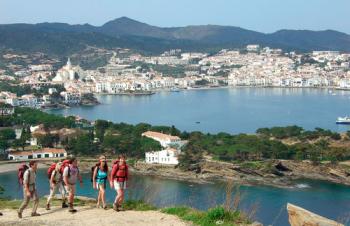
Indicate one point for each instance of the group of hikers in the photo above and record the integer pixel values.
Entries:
(64, 175)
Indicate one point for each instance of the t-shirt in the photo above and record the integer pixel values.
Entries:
(73, 174)
(57, 176)
(29, 177)
(101, 176)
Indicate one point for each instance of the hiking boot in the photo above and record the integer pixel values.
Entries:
(72, 210)
(35, 215)
(47, 206)
(64, 205)
(19, 214)
(115, 207)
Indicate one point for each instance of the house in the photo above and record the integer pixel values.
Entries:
(71, 97)
(166, 156)
(164, 139)
(6, 109)
(172, 148)
(38, 154)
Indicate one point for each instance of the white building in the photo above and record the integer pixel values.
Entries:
(38, 154)
(68, 73)
(71, 98)
(164, 139)
(166, 156)
(253, 48)
(172, 148)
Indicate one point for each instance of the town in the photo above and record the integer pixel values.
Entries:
(128, 73)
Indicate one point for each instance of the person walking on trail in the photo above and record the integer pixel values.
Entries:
(56, 182)
(118, 180)
(70, 176)
(29, 188)
(99, 180)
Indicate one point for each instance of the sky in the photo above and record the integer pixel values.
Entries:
(259, 15)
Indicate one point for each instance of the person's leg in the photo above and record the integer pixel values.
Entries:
(71, 198)
(99, 195)
(102, 195)
(63, 192)
(115, 204)
(119, 198)
(36, 203)
(24, 204)
(52, 194)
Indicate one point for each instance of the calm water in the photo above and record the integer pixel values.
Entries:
(329, 200)
(236, 110)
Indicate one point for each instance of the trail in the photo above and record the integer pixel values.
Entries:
(89, 216)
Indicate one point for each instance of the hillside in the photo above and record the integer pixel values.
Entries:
(64, 39)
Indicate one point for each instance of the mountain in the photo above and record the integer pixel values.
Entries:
(63, 39)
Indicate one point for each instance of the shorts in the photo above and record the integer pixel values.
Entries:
(118, 185)
(101, 183)
(70, 188)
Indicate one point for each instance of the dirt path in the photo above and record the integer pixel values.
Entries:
(88, 216)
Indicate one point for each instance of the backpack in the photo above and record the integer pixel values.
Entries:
(21, 170)
(121, 170)
(93, 171)
(50, 170)
(65, 163)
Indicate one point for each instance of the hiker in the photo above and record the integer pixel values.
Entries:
(99, 180)
(27, 177)
(70, 176)
(118, 179)
(56, 182)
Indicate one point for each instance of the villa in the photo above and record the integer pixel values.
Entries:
(172, 148)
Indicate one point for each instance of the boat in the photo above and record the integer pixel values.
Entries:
(343, 120)
(198, 122)
(174, 89)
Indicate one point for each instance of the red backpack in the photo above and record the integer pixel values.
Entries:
(65, 163)
(121, 170)
(50, 170)
(21, 170)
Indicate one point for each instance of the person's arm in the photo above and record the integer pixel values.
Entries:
(52, 179)
(65, 176)
(26, 183)
(94, 178)
(80, 179)
(111, 176)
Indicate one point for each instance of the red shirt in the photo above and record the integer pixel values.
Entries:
(116, 170)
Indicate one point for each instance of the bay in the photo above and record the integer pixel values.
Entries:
(232, 110)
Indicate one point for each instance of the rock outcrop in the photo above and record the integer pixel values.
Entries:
(301, 217)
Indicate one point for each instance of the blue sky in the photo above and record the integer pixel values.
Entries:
(259, 15)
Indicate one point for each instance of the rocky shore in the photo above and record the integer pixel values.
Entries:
(277, 173)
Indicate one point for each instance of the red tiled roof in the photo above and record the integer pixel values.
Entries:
(161, 136)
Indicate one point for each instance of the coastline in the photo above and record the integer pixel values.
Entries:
(220, 87)
(213, 171)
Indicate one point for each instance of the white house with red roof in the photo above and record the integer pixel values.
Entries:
(172, 148)
(37, 154)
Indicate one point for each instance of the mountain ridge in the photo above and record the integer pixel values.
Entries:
(129, 33)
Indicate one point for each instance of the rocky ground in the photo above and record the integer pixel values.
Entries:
(89, 216)
(278, 173)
